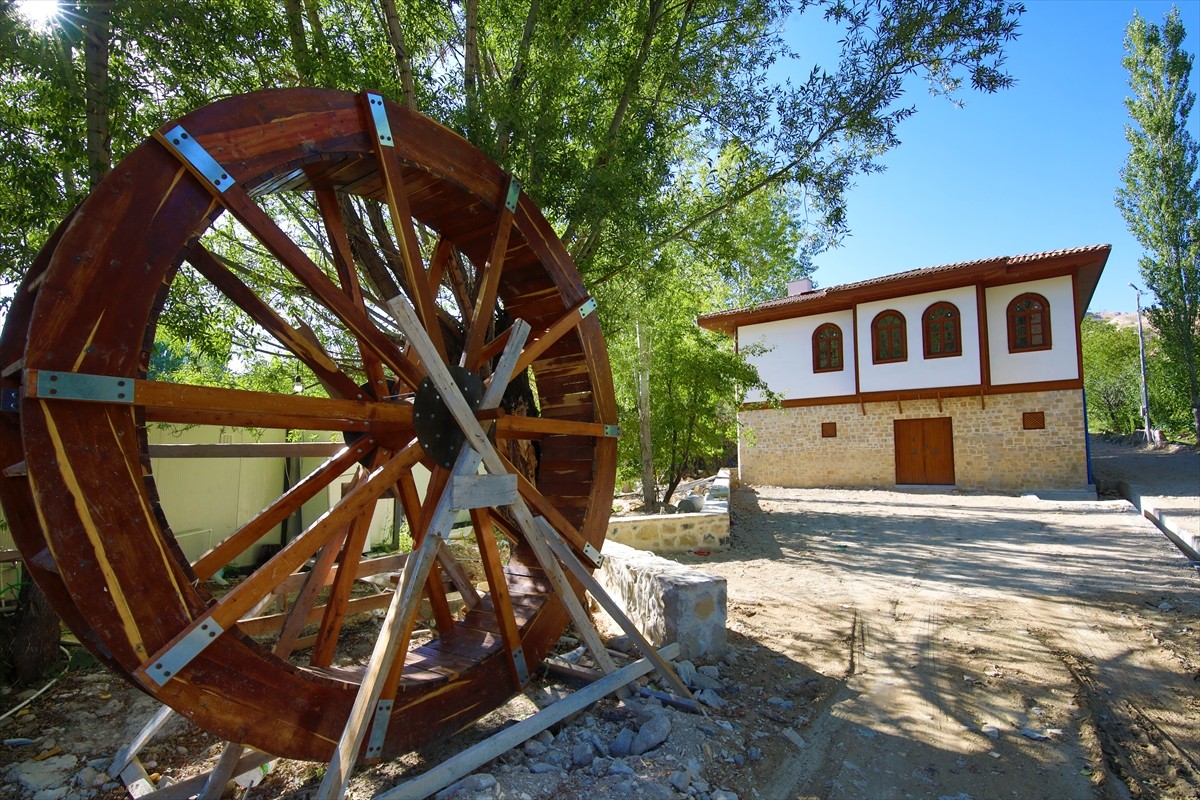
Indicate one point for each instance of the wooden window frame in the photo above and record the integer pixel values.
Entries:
(816, 348)
(1011, 316)
(875, 359)
(927, 330)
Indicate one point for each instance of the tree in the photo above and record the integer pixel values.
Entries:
(1110, 375)
(1160, 192)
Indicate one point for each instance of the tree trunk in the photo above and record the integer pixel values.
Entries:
(35, 642)
(403, 59)
(295, 23)
(648, 493)
(97, 33)
(471, 69)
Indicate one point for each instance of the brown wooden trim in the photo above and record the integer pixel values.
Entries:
(1048, 333)
(875, 359)
(919, 394)
(1076, 333)
(247, 450)
(925, 333)
(985, 352)
(816, 349)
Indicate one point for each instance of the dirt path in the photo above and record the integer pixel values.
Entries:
(982, 646)
(885, 645)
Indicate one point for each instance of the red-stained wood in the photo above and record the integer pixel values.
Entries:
(95, 313)
(502, 607)
(489, 287)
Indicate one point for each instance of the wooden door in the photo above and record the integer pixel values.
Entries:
(924, 451)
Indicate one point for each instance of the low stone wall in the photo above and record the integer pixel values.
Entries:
(679, 533)
(668, 602)
(671, 533)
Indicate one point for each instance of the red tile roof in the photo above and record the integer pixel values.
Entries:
(782, 308)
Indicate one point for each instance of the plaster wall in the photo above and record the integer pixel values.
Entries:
(1061, 361)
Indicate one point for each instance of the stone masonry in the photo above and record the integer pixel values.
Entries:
(784, 447)
(668, 602)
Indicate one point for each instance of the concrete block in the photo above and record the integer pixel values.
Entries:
(667, 601)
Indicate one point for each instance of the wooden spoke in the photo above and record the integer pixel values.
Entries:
(181, 402)
(314, 582)
(488, 286)
(542, 505)
(339, 597)
(518, 427)
(443, 254)
(553, 333)
(274, 514)
(410, 250)
(246, 594)
(339, 240)
(311, 355)
(489, 554)
(269, 234)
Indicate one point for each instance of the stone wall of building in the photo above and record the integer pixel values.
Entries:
(671, 533)
(992, 450)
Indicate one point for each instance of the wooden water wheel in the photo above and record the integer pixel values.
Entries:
(79, 492)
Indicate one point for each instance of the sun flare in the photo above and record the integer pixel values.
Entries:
(40, 14)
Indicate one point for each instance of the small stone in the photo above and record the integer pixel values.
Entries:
(724, 794)
(541, 767)
(622, 643)
(51, 794)
(686, 671)
(651, 735)
(1165, 606)
(533, 748)
(478, 782)
(786, 705)
(754, 754)
(620, 745)
(681, 780)
(545, 737)
(582, 754)
(710, 698)
(731, 658)
(710, 670)
(990, 730)
(599, 766)
(619, 767)
(1030, 733)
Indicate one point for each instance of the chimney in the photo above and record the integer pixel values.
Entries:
(801, 286)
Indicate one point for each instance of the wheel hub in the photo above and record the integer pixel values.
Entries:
(437, 432)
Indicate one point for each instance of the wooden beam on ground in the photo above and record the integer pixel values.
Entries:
(476, 756)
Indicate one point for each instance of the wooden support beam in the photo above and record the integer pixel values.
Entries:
(383, 669)
(248, 450)
(477, 755)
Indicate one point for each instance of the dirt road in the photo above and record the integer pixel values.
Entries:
(979, 646)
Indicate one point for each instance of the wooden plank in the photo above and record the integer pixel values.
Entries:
(514, 426)
(564, 555)
(297, 616)
(483, 491)
(559, 328)
(222, 773)
(258, 626)
(402, 223)
(397, 626)
(484, 309)
(163, 397)
(477, 755)
(504, 615)
(248, 450)
(339, 596)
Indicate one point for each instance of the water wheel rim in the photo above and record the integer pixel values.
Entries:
(127, 582)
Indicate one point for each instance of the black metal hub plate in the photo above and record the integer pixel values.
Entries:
(437, 432)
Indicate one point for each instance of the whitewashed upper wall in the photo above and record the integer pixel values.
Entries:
(1061, 361)
(917, 372)
(787, 366)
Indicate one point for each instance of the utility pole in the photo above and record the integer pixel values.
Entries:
(1142, 359)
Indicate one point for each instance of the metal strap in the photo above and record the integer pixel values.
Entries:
(379, 726)
(80, 386)
(383, 128)
(514, 194)
(190, 151)
(184, 651)
(587, 308)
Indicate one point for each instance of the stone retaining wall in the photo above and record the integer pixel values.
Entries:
(679, 533)
(668, 602)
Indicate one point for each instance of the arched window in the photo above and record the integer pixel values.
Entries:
(888, 338)
(942, 329)
(1028, 323)
(827, 348)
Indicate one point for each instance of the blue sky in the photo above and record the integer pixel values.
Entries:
(1029, 169)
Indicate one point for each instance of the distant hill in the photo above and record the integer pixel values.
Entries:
(1122, 319)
